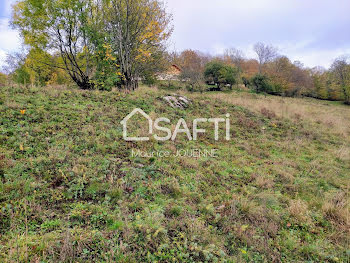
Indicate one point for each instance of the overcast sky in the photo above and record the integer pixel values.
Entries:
(311, 31)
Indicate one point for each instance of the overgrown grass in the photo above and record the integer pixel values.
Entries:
(70, 191)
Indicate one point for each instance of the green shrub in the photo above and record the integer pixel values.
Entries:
(170, 85)
(195, 87)
(3, 80)
(262, 84)
(212, 72)
(228, 75)
(107, 75)
(220, 74)
(21, 76)
(149, 79)
(2, 99)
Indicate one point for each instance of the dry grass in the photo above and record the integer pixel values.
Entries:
(298, 209)
(264, 182)
(336, 208)
(330, 115)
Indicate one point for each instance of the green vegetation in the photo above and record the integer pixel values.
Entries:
(3, 80)
(71, 192)
(220, 74)
(262, 84)
(271, 74)
(101, 44)
(115, 43)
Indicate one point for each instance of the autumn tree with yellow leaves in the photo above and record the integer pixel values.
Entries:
(138, 31)
(61, 27)
(102, 43)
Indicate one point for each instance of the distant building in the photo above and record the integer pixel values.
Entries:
(172, 73)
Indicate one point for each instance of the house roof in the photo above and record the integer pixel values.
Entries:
(175, 66)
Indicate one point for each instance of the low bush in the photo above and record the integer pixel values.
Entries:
(220, 74)
(170, 85)
(262, 84)
(3, 80)
(149, 80)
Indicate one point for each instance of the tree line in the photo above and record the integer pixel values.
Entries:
(269, 73)
(101, 44)
(95, 43)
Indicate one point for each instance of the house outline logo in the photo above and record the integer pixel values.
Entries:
(181, 127)
(124, 122)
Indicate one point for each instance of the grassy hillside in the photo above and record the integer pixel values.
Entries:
(70, 191)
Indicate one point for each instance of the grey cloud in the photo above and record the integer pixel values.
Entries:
(295, 26)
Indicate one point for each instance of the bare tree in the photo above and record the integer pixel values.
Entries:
(235, 56)
(265, 53)
(14, 61)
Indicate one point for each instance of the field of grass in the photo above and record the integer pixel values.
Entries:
(70, 191)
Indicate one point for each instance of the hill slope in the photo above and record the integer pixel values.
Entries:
(70, 191)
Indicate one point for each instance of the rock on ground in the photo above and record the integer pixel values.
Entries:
(177, 101)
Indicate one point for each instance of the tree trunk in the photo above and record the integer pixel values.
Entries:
(131, 84)
(84, 83)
